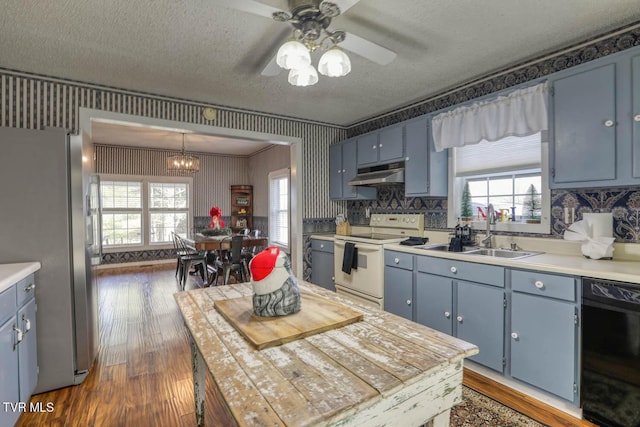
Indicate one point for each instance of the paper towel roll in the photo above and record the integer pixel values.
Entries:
(600, 224)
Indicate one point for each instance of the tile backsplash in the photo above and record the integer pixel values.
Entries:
(623, 203)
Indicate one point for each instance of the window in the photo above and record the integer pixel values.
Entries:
(141, 211)
(511, 175)
(279, 207)
(121, 213)
(168, 211)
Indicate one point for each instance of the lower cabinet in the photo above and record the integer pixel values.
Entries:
(526, 323)
(545, 332)
(18, 355)
(322, 264)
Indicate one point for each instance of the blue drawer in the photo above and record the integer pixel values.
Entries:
(549, 285)
(462, 270)
(321, 245)
(398, 260)
(26, 289)
(8, 305)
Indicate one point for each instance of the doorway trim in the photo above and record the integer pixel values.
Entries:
(87, 115)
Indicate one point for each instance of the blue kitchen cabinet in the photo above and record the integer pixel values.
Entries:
(544, 333)
(382, 146)
(465, 300)
(18, 351)
(595, 123)
(398, 284)
(342, 169)
(434, 296)
(426, 170)
(322, 264)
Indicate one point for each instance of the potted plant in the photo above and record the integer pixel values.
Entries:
(466, 210)
(532, 204)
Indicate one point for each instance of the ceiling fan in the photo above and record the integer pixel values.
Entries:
(310, 20)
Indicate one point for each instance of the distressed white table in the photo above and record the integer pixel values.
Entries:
(384, 370)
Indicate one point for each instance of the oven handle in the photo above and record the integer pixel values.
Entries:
(359, 245)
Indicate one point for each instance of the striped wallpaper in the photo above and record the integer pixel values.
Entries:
(35, 102)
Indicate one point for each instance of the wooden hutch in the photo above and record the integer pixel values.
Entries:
(241, 207)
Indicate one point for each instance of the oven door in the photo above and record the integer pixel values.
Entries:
(368, 278)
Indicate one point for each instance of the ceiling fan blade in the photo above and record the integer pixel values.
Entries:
(272, 68)
(345, 5)
(252, 6)
(366, 49)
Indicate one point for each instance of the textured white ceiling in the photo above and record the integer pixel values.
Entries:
(205, 51)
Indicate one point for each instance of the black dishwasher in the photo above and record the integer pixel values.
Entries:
(610, 392)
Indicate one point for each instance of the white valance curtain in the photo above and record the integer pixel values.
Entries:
(523, 112)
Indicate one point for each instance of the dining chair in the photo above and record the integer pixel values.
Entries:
(190, 257)
(236, 262)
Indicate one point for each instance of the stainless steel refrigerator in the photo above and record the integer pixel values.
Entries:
(49, 212)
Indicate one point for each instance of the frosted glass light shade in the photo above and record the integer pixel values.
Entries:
(334, 63)
(293, 54)
(305, 76)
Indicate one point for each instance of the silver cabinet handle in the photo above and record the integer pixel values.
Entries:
(454, 270)
(31, 287)
(408, 302)
(636, 118)
(459, 319)
(344, 171)
(538, 284)
(447, 314)
(380, 145)
(396, 260)
(374, 146)
(321, 246)
(514, 335)
(20, 334)
(609, 123)
(27, 323)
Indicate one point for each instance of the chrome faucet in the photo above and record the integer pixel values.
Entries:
(491, 219)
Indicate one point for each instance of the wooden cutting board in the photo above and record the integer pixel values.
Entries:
(318, 314)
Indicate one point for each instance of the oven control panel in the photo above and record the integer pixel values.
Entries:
(404, 221)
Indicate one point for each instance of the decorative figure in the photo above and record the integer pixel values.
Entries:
(466, 209)
(275, 288)
(216, 218)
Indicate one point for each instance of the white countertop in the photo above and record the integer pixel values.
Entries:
(622, 270)
(12, 273)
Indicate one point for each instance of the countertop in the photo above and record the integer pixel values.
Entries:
(329, 237)
(369, 372)
(622, 270)
(12, 273)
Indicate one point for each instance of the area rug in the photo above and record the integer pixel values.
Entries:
(478, 410)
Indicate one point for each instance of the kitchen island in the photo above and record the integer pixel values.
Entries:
(383, 370)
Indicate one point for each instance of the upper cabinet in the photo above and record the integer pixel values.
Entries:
(342, 169)
(381, 146)
(595, 124)
(426, 170)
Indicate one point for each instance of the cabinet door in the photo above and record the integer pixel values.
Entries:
(391, 144)
(543, 343)
(9, 380)
(584, 143)
(322, 269)
(27, 351)
(416, 172)
(635, 75)
(349, 169)
(480, 320)
(368, 149)
(434, 302)
(398, 292)
(335, 171)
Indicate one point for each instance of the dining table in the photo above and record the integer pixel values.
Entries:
(382, 370)
(219, 245)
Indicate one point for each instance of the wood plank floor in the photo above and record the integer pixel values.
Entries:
(142, 375)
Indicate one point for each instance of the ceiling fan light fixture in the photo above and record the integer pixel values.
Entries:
(292, 55)
(305, 76)
(334, 63)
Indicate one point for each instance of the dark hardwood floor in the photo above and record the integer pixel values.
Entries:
(142, 375)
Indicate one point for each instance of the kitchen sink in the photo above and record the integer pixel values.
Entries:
(492, 252)
(502, 253)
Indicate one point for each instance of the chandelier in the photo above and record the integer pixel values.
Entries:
(295, 54)
(183, 162)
